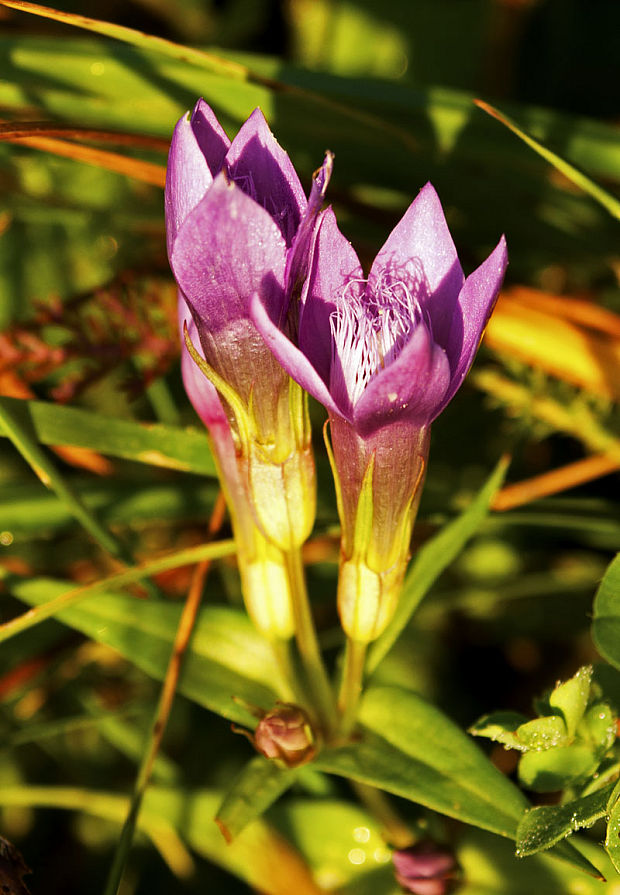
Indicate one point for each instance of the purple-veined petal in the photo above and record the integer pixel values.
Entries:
(411, 387)
(197, 152)
(420, 252)
(263, 170)
(296, 364)
(227, 248)
(333, 264)
(203, 395)
(474, 307)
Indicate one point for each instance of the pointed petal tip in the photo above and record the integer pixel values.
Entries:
(201, 106)
(500, 253)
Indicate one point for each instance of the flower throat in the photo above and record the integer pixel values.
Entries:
(370, 327)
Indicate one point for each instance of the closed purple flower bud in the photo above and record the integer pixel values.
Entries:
(425, 869)
(238, 224)
(385, 355)
(285, 733)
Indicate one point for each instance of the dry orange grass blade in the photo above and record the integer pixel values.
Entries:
(554, 481)
(147, 172)
(10, 130)
(570, 339)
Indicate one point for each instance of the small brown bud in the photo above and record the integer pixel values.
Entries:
(285, 733)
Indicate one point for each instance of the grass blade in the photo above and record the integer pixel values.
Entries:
(573, 174)
(210, 61)
(186, 557)
(157, 445)
(433, 558)
(22, 434)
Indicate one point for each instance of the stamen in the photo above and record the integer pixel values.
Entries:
(370, 328)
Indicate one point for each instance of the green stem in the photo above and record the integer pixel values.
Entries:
(351, 685)
(308, 645)
(290, 687)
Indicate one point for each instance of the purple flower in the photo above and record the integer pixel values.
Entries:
(238, 223)
(397, 345)
(384, 354)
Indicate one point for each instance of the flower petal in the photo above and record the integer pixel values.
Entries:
(228, 248)
(420, 252)
(203, 395)
(297, 262)
(263, 170)
(411, 387)
(296, 364)
(210, 136)
(333, 263)
(474, 307)
(197, 152)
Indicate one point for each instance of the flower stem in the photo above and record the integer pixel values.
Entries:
(351, 685)
(308, 645)
(291, 687)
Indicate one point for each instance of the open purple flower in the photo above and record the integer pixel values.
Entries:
(384, 354)
(394, 346)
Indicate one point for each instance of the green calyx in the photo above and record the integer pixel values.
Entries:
(567, 742)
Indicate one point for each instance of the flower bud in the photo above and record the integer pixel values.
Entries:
(267, 593)
(284, 733)
(425, 869)
(379, 483)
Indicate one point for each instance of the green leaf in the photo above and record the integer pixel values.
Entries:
(542, 733)
(71, 596)
(571, 698)
(170, 817)
(154, 444)
(411, 749)
(612, 839)
(598, 727)
(226, 659)
(29, 511)
(342, 843)
(433, 559)
(500, 727)
(578, 177)
(258, 786)
(491, 868)
(556, 768)
(18, 427)
(542, 827)
(606, 624)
